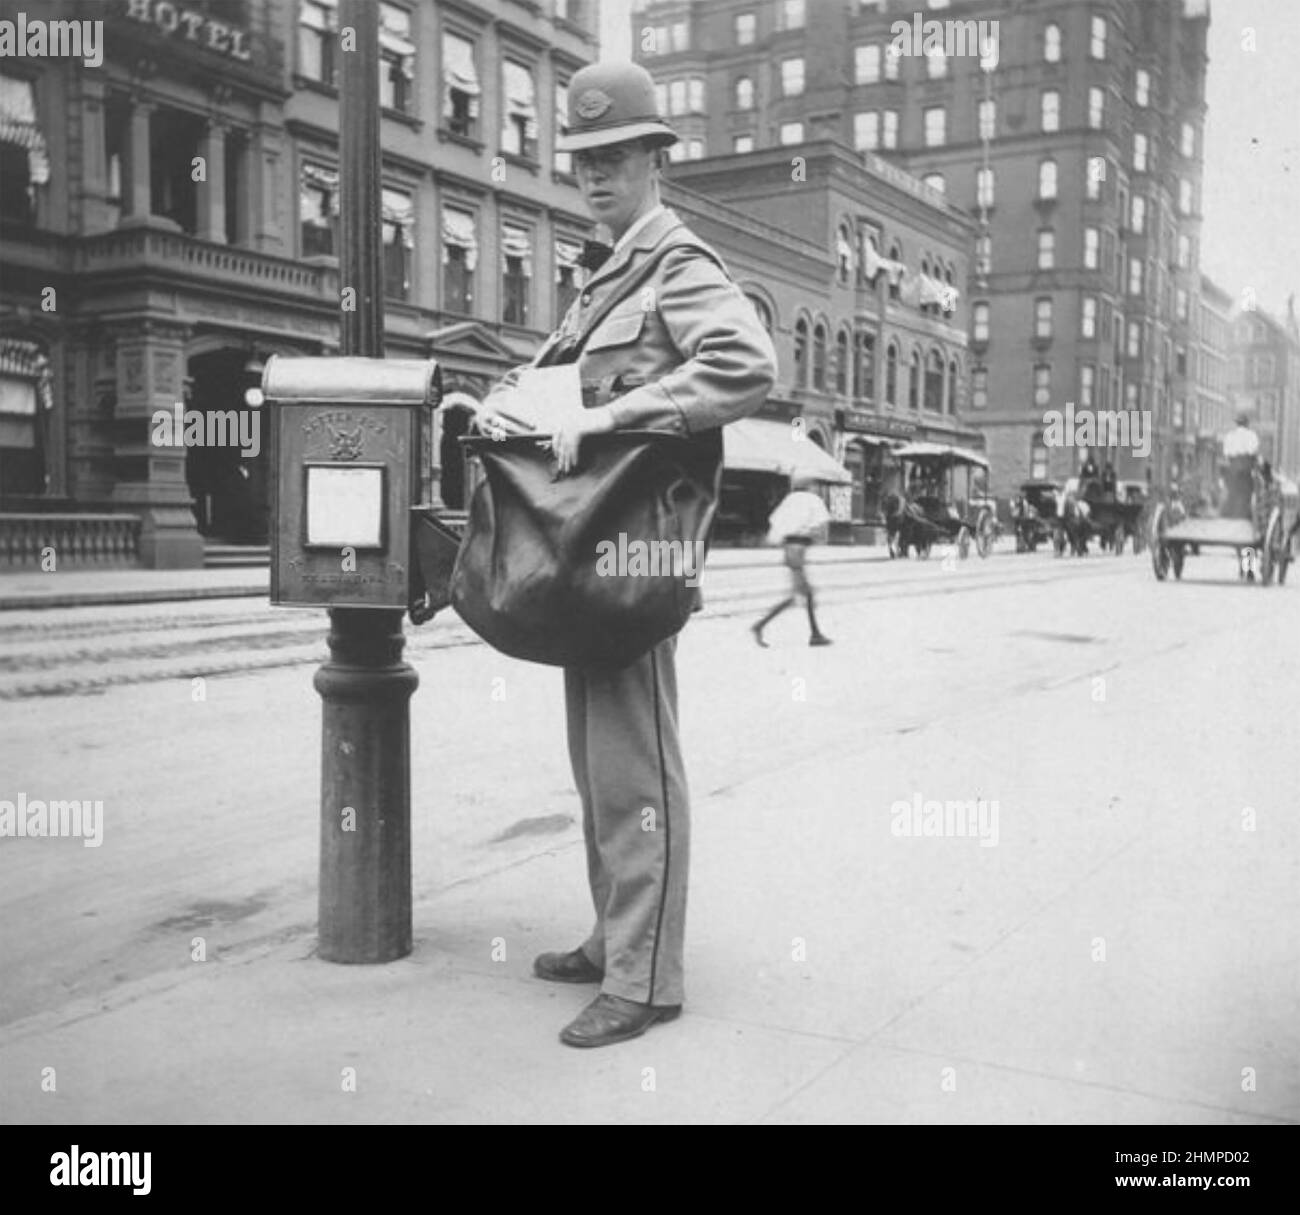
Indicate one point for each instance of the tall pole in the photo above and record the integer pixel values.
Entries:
(365, 687)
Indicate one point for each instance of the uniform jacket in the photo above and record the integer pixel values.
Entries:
(681, 351)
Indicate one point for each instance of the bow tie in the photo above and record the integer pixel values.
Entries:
(594, 255)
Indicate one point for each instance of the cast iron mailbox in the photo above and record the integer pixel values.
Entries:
(350, 449)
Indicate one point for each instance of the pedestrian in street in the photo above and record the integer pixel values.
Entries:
(800, 520)
(681, 351)
(1240, 452)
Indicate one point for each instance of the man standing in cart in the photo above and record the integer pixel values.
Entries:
(1240, 452)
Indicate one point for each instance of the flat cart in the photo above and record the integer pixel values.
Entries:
(1261, 542)
(941, 501)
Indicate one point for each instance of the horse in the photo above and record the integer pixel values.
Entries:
(906, 526)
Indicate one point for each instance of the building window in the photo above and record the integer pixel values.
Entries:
(1187, 145)
(980, 322)
(934, 181)
(567, 253)
(396, 59)
(1043, 318)
(1088, 327)
(892, 58)
(934, 382)
(519, 112)
(1097, 44)
(1142, 88)
(1050, 109)
(1096, 108)
(979, 388)
(1096, 174)
(952, 387)
(563, 160)
(1139, 213)
(319, 199)
(984, 187)
(696, 94)
(744, 93)
(936, 63)
(677, 97)
(1091, 249)
(889, 137)
(895, 255)
(1181, 304)
(680, 36)
(1184, 196)
(695, 149)
(866, 131)
(843, 255)
(819, 357)
(791, 132)
(1037, 459)
(891, 374)
(1052, 44)
(792, 14)
(914, 381)
(1139, 152)
(1046, 249)
(988, 118)
(792, 77)
(866, 64)
(25, 400)
(746, 27)
(459, 259)
(801, 353)
(864, 365)
(935, 127)
(1184, 252)
(1087, 385)
(316, 40)
(460, 86)
(1135, 276)
(516, 274)
(1134, 340)
(1047, 180)
(842, 363)
(398, 235)
(1043, 385)
(742, 143)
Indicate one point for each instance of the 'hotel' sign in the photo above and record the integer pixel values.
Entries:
(192, 26)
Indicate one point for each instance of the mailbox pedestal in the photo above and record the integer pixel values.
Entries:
(349, 447)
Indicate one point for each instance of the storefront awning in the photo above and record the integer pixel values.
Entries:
(958, 455)
(761, 445)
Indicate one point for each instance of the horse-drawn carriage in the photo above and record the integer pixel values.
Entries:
(1262, 542)
(1110, 516)
(937, 504)
(1035, 514)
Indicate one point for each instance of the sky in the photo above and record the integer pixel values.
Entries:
(1250, 239)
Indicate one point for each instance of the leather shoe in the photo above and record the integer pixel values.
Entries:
(610, 1019)
(571, 967)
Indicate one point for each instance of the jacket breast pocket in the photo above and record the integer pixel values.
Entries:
(618, 329)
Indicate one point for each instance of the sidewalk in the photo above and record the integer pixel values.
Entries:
(87, 588)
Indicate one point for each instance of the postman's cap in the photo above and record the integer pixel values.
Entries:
(611, 103)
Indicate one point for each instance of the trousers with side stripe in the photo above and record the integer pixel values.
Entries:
(627, 764)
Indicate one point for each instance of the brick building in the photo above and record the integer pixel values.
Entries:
(1264, 380)
(130, 285)
(1076, 146)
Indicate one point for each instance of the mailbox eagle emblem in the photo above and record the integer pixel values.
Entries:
(346, 444)
(592, 104)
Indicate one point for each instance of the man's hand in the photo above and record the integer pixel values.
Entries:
(566, 442)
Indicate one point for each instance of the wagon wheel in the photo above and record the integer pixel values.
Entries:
(985, 533)
(1159, 550)
(963, 542)
(1271, 555)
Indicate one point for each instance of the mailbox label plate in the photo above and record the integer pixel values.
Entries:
(344, 506)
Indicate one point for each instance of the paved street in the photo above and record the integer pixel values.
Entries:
(1121, 948)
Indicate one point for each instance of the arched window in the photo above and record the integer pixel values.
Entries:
(864, 365)
(934, 382)
(896, 255)
(819, 357)
(764, 312)
(952, 387)
(844, 255)
(1052, 44)
(801, 353)
(1047, 180)
(842, 363)
(914, 381)
(891, 374)
(744, 93)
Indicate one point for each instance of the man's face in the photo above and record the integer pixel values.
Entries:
(615, 181)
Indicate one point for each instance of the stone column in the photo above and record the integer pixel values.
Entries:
(151, 478)
(212, 192)
(137, 186)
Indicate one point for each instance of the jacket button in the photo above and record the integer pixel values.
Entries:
(586, 298)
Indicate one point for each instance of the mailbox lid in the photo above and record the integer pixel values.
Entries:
(359, 381)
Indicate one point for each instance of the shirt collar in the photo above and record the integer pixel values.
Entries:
(636, 227)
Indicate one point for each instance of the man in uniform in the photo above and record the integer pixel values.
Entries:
(682, 350)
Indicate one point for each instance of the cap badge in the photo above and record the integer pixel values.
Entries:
(593, 103)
